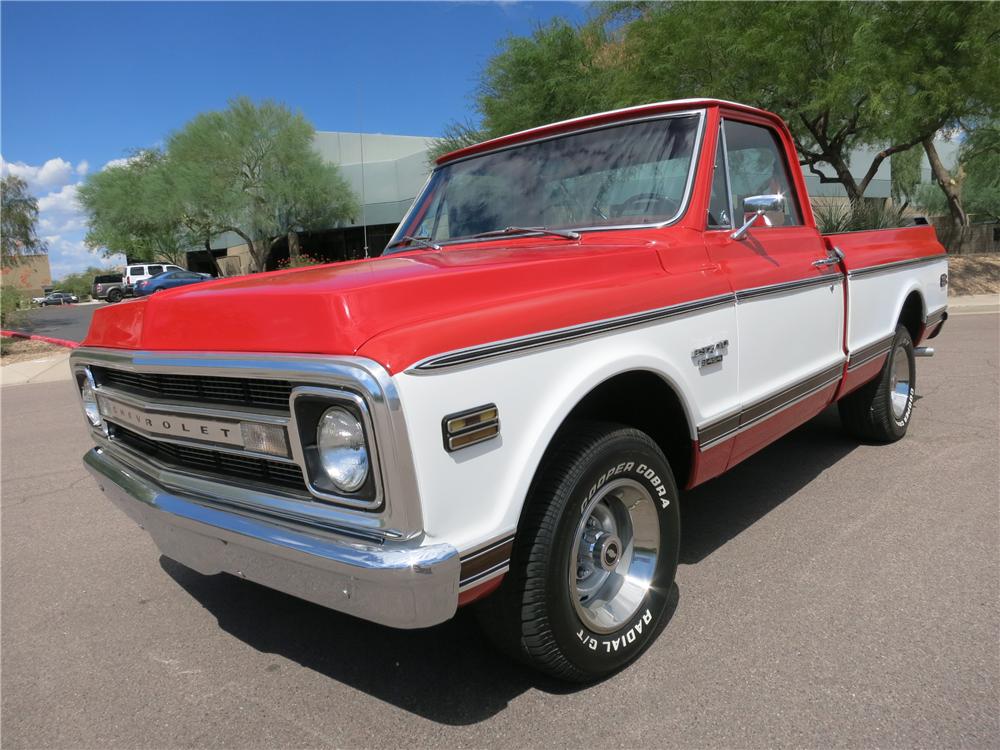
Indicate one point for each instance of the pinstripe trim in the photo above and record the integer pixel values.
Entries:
(727, 427)
(788, 286)
(559, 336)
(586, 330)
(895, 265)
(866, 354)
(484, 563)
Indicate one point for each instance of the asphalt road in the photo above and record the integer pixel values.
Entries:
(59, 321)
(830, 594)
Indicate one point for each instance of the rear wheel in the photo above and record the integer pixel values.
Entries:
(115, 295)
(594, 558)
(881, 409)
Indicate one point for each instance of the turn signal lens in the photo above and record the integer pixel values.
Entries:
(89, 396)
(264, 438)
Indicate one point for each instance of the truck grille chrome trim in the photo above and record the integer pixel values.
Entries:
(264, 471)
(271, 394)
(396, 514)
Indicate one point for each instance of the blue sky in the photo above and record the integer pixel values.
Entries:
(83, 83)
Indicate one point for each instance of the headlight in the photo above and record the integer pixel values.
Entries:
(89, 396)
(340, 441)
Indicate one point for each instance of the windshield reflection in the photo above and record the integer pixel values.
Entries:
(630, 174)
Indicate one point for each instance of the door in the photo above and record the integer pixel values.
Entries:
(789, 299)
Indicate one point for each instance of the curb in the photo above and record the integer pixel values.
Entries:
(47, 339)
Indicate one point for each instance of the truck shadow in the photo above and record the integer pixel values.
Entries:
(719, 510)
(450, 674)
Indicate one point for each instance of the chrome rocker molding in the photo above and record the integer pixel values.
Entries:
(487, 562)
(866, 354)
(357, 377)
(721, 430)
(397, 584)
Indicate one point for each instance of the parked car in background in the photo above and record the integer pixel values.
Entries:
(59, 298)
(168, 280)
(109, 286)
(140, 272)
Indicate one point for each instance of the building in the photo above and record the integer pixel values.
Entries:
(385, 171)
(30, 275)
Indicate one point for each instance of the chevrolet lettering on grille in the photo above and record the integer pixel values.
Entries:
(207, 430)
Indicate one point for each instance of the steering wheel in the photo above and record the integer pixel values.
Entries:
(646, 203)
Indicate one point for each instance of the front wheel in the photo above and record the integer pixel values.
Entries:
(880, 410)
(594, 558)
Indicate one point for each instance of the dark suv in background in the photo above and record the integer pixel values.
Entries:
(109, 286)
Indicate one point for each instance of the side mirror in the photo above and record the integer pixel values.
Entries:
(758, 205)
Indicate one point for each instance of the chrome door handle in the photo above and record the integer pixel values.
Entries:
(834, 256)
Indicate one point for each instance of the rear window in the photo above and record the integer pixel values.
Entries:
(108, 279)
(136, 270)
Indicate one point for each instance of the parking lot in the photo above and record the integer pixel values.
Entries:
(829, 594)
(59, 321)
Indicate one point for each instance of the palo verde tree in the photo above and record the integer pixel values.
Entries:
(19, 214)
(130, 210)
(251, 170)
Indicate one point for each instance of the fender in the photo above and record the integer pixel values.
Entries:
(474, 496)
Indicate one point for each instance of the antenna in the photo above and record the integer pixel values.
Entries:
(361, 138)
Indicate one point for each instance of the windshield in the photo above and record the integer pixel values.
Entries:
(631, 174)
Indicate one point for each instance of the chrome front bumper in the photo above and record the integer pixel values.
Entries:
(400, 585)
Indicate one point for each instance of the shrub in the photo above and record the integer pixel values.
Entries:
(299, 262)
(12, 301)
(866, 214)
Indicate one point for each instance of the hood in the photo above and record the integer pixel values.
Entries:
(489, 293)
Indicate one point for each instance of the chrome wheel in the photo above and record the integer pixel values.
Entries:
(900, 382)
(617, 546)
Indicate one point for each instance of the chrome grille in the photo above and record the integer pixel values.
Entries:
(276, 473)
(268, 394)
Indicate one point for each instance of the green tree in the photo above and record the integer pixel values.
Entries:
(19, 217)
(942, 71)
(843, 75)
(560, 71)
(131, 210)
(252, 170)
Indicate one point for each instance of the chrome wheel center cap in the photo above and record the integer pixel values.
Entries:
(608, 551)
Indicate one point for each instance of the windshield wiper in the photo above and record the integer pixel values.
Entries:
(410, 239)
(564, 233)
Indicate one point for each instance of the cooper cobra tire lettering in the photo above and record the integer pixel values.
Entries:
(540, 613)
(628, 639)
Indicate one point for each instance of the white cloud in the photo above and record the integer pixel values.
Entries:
(124, 161)
(53, 173)
(71, 255)
(83, 167)
(61, 202)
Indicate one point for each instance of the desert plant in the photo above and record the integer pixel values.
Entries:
(854, 217)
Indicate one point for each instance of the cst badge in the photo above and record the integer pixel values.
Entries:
(711, 354)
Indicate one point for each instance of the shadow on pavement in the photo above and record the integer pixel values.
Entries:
(450, 673)
(719, 510)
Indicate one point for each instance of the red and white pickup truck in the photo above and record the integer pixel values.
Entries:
(571, 324)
